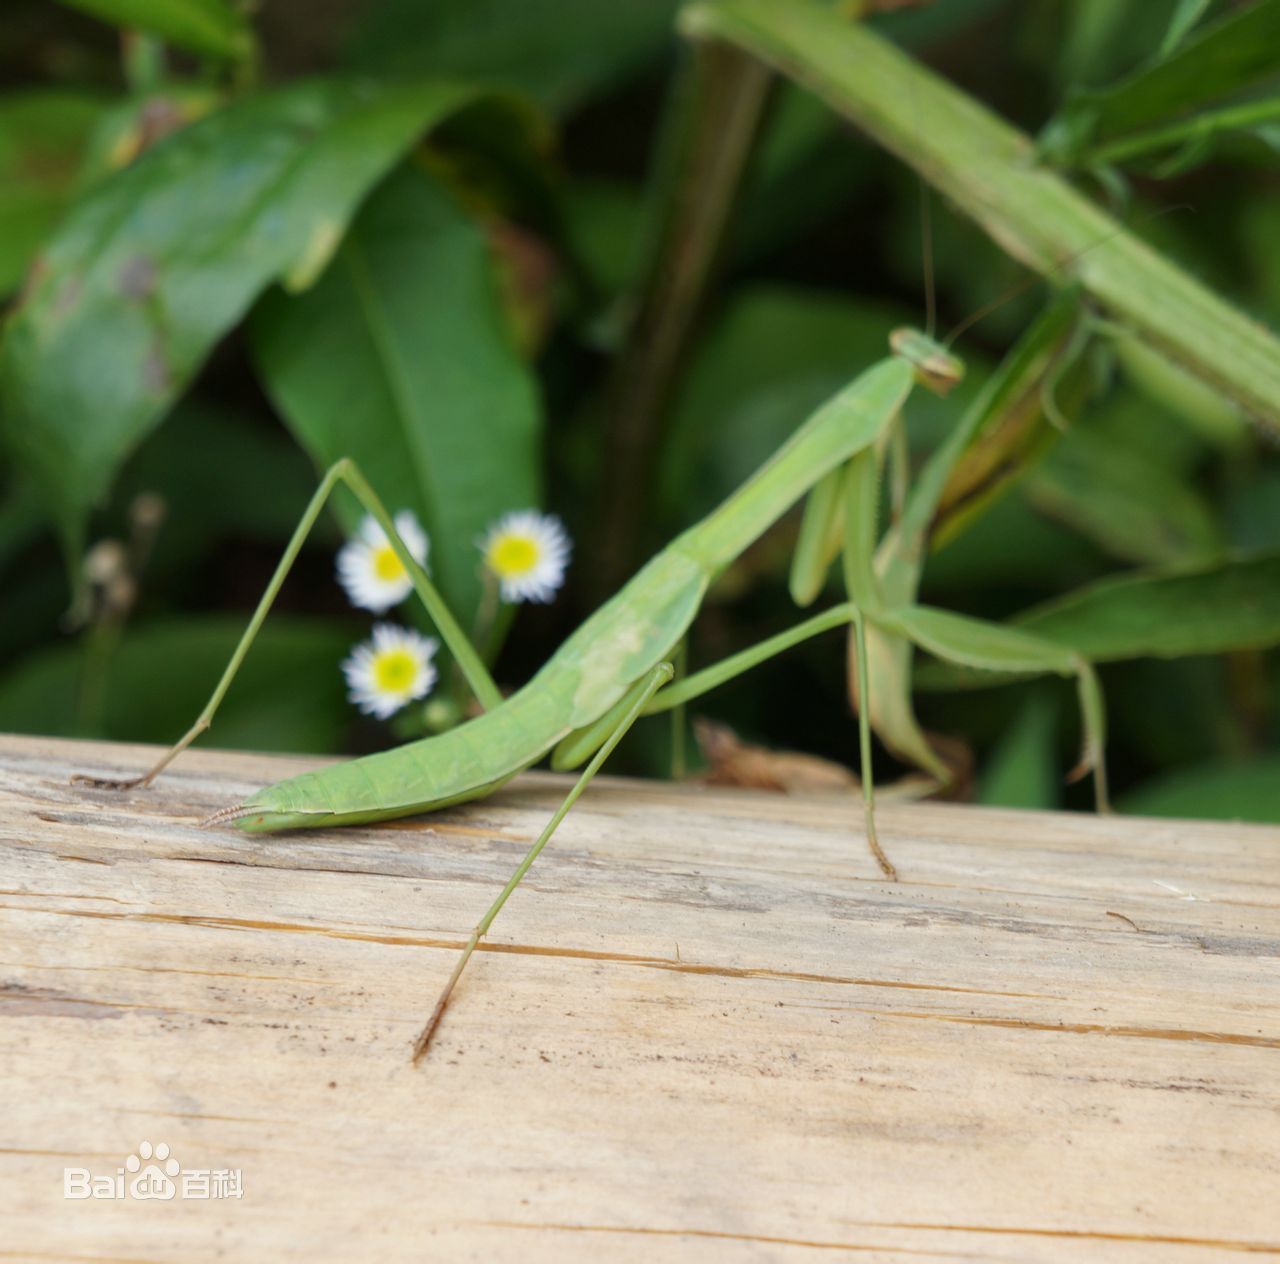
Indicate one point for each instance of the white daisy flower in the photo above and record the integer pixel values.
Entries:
(390, 669)
(528, 551)
(368, 568)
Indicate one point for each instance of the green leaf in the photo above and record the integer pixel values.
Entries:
(1185, 16)
(289, 695)
(1226, 57)
(43, 135)
(1231, 606)
(1162, 380)
(223, 478)
(202, 26)
(1124, 500)
(558, 51)
(128, 128)
(1245, 791)
(402, 358)
(1022, 770)
(157, 262)
(994, 647)
(1009, 548)
(605, 222)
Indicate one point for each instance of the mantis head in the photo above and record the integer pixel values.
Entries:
(935, 366)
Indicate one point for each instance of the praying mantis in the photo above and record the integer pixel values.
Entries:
(618, 665)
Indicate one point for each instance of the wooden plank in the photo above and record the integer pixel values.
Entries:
(704, 1029)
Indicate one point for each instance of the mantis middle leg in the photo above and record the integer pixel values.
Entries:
(577, 746)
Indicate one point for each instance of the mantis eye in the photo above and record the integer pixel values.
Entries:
(935, 367)
(940, 374)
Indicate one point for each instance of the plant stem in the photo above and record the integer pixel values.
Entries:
(989, 170)
(1200, 127)
(719, 103)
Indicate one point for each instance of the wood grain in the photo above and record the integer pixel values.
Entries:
(704, 1029)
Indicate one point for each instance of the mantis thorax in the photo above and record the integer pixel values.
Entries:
(935, 366)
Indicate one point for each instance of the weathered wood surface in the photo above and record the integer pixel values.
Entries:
(705, 1029)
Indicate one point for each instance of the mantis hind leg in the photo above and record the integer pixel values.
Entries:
(635, 703)
(577, 746)
(344, 472)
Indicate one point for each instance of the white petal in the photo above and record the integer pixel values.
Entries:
(360, 669)
(551, 548)
(357, 563)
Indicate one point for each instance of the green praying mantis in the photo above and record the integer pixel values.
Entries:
(617, 667)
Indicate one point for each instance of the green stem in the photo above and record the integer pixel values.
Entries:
(1198, 127)
(988, 169)
(719, 103)
(143, 57)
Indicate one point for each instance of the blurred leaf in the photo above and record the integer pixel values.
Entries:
(289, 695)
(20, 520)
(606, 223)
(771, 357)
(1022, 771)
(1232, 606)
(159, 261)
(222, 478)
(1252, 511)
(1093, 41)
(43, 134)
(1226, 57)
(1124, 501)
(203, 26)
(401, 358)
(1185, 16)
(200, 26)
(802, 170)
(1248, 791)
(1009, 546)
(126, 130)
(1175, 711)
(1202, 408)
(558, 51)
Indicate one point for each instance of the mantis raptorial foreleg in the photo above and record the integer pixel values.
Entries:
(346, 473)
(635, 701)
(996, 647)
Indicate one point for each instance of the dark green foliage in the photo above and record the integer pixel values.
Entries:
(426, 233)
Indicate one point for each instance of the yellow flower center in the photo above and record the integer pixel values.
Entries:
(386, 565)
(511, 555)
(394, 671)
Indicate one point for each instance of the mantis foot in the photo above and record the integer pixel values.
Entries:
(111, 783)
